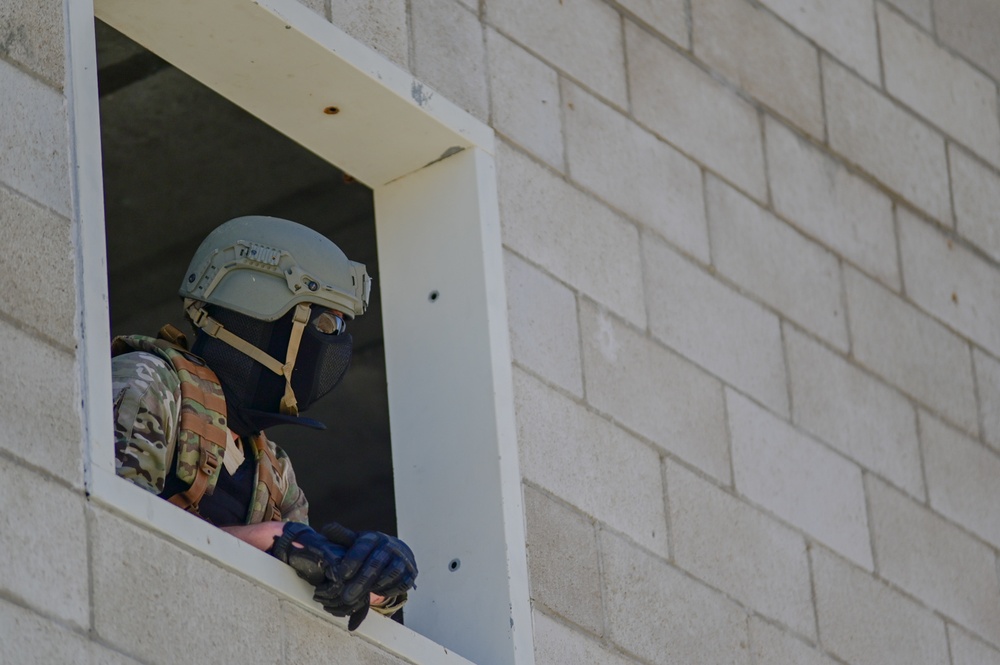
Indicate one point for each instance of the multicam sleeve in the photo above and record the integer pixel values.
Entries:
(294, 506)
(147, 398)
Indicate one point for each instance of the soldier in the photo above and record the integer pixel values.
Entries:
(270, 301)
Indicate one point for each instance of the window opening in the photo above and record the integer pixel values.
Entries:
(179, 160)
(431, 170)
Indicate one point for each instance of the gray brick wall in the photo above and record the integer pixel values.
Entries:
(814, 190)
(751, 252)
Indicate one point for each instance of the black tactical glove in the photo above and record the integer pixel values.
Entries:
(330, 595)
(310, 554)
(374, 563)
(315, 559)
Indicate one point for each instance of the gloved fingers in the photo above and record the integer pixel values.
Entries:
(391, 575)
(338, 534)
(337, 606)
(357, 617)
(403, 552)
(297, 536)
(313, 557)
(329, 592)
(401, 572)
(376, 562)
(308, 564)
(404, 584)
(358, 554)
(340, 609)
(315, 541)
(362, 583)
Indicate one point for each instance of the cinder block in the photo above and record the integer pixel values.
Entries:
(714, 326)
(775, 647)
(798, 479)
(963, 478)
(381, 24)
(133, 568)
(563, 561)
(846, 29)
(524, 93)
(735, 548)
(557, 644)
(970, 27)
(865, 622)
(34, 139)
(570, 235)
(581, 38)
(662, 615)
(910, 350)
(886, 141)
(939, 86)
(950, 282)
(544, 335)
(311, 640)
(29, 639)
(763, 56)
(699, 115)
(976, 190)
(40, 419)
(966, 650)
(33, 34)
(654, 392)
(590, 463)
(668, 17)
(935, 561)
(854, 412)
(44, 541)
(917, 10)
(449, 54)
(36, 236)
(988, 383)
(634, 171)
(820, 196)
(768, 258)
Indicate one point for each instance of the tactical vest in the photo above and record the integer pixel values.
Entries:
(202, 429)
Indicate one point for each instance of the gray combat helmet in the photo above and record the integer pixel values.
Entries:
(263, 266)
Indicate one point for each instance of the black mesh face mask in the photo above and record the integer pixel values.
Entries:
(322, 361)
(253, 392)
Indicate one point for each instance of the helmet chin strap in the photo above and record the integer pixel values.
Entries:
(199, 316)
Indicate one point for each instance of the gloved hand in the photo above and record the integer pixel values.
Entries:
(316, 560)
(312, 556)
(373, 563)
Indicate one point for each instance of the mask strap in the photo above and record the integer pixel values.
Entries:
(289, 404)
(200, 318)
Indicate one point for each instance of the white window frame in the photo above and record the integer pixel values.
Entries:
(430, 166)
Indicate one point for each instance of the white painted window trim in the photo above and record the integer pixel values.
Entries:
(430, 165)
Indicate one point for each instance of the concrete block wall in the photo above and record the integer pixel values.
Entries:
(752, 254)
(753, 269)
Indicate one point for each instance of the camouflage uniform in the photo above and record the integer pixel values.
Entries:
(149, 406)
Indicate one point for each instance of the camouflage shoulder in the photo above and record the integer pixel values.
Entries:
(147, 402)
(294, 505)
